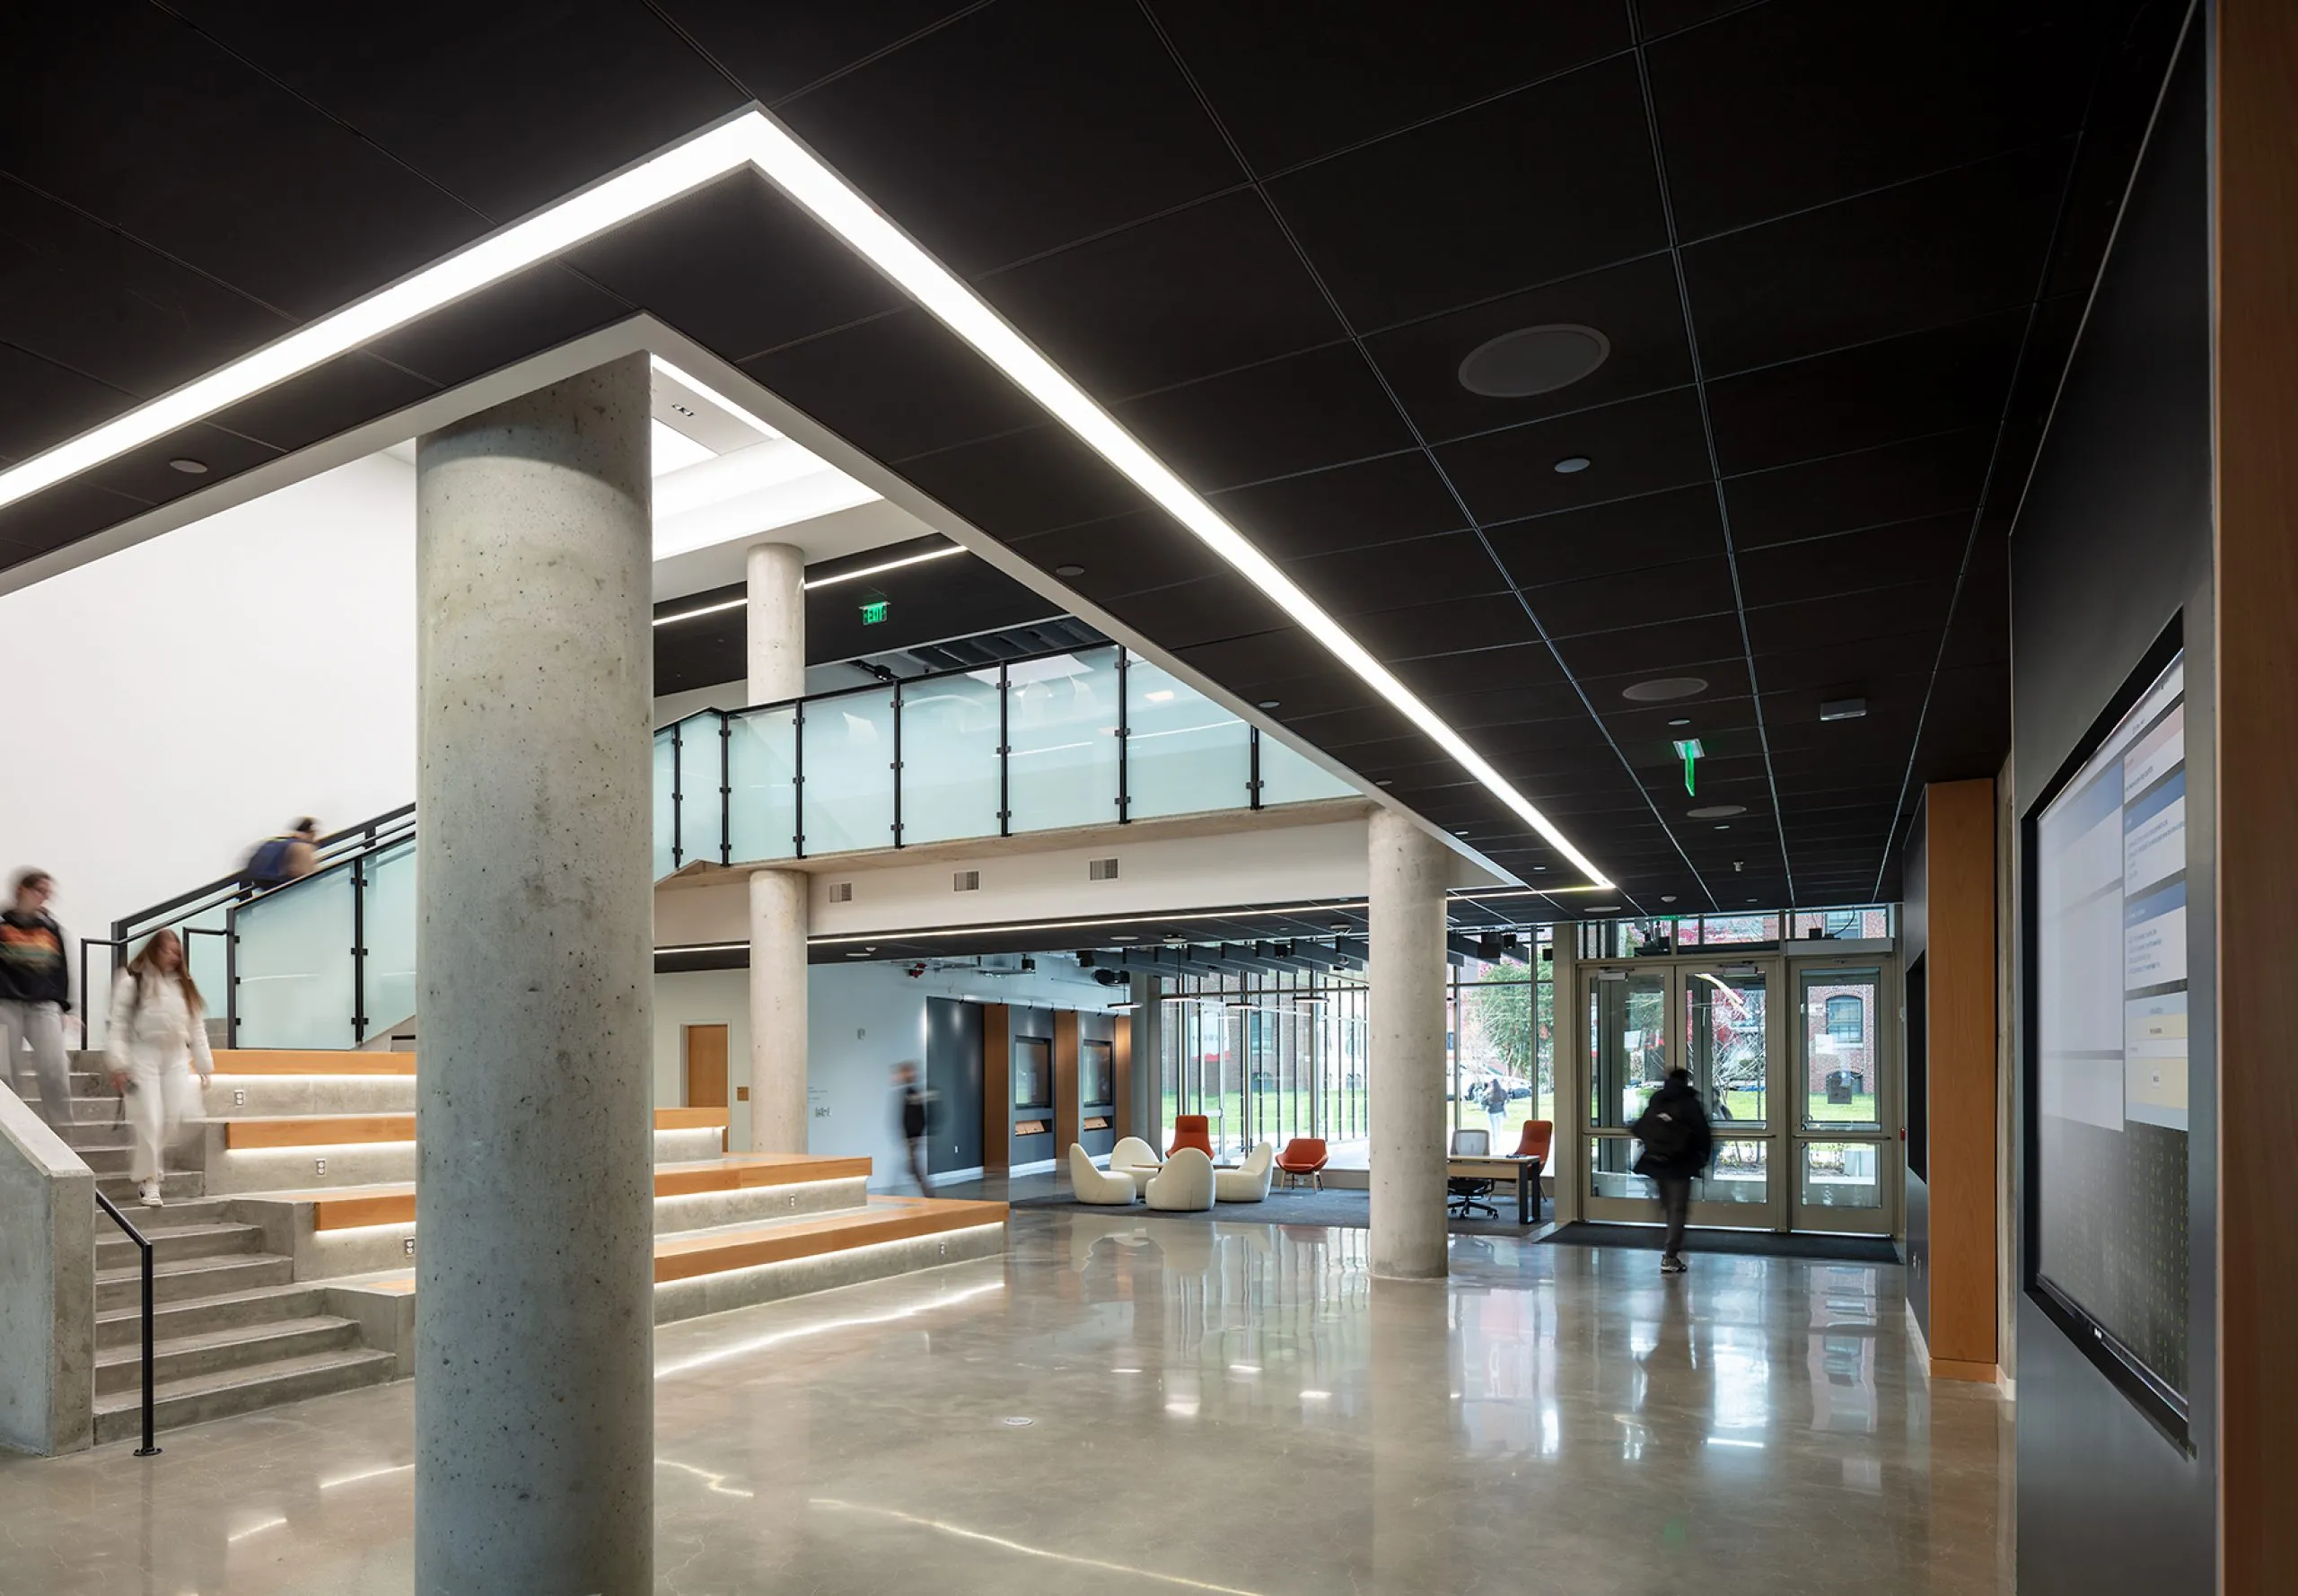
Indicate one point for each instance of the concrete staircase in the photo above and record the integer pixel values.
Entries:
(281, 1256)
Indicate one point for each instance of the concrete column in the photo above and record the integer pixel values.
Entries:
(778, 911)
(1406, 1003)
(534, 1393)
(778, 623)
(779, 898)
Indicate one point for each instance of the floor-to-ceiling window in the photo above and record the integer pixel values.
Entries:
(1501, 1071)
(1266, 1057)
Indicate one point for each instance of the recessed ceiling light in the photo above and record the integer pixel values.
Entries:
(1663, 688)
(1572, 464)
(1176, 936)
(1843, 709)
(1069, 570)
(1342, 927)
(1723, 828)
(1603, 909)
(1667, 896)
(1123, 936)
(1682, 720)
(1755, 900)
(1715, 811)
(1459, 831)
(858, 952)
(1385, 782)
(880, 570)
(188, 466)
(1539, 867)
(1533, 360)
(1268, 704)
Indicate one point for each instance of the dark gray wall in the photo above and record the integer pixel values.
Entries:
(953, 1073)
(2113, 542)
(1914, 940)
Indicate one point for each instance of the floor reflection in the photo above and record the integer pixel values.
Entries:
(1146, 1402)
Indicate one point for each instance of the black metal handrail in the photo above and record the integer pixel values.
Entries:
(143, 1245)
(236, 887)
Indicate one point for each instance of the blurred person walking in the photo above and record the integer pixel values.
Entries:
(1495, 1111)
(158, 1034)
(914, 1105)
(36, 992)
(1677, 1142)
(289, 856)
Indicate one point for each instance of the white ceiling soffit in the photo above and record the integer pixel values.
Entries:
(752, 137)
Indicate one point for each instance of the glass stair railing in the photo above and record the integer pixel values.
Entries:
(1090, 737)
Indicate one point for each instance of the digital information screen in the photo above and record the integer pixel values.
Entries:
(2110, 942)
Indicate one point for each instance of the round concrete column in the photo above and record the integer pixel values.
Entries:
(778, 623)
(534, 1398)
(778, 919)
(1405, 1007)
(778, 898)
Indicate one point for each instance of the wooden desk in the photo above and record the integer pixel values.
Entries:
(1498, 1167)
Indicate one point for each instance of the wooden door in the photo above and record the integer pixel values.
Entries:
(706, 1068)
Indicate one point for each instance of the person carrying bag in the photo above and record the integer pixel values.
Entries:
(159, 1034)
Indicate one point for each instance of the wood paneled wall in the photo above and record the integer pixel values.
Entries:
(1121, 1053)
(2255, 221)
(997, 1088)
(1067, 1126)
(1960, 962)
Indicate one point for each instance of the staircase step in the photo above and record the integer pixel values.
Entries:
(265, 1304)
(345, 1207)
(179, 1186)
(108, 1160)
(179, 1213)
(745, 1246)
(174, 1243)
(121, 1368)
(227, 1391)
(191, 1277)
(322, 1130)
(286, 1061)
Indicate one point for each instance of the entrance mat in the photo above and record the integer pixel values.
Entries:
(1842, 1249)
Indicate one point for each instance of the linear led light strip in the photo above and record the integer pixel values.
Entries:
(755, 137)
(914, 559)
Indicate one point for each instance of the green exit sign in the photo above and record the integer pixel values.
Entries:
(874, 611)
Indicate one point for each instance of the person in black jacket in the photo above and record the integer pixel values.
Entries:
(914, 1106)
(1678, 1143)
(36, 991)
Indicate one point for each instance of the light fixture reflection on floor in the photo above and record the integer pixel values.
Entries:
(944, 1527)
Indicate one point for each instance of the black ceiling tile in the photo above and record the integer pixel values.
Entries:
(1024, 483)
(1284, 654)
(1639, 446)
(1884, 693)
(1179, 297)
(1980, 632)
(1510, 702)
(1950, 248)
(1878, 742)
(2122, 109)
(136, 117)
(1799, 102)
(1460, 626)
(697, 264)
(1465, 209)
(1389, 575)
(507, 118)
(1194, 612)
(1356, 731)
(1290, 86)
(1634, 305)
(1125, 554)
(1351, 507)
(1301, 700)
(1662, 593)
(1709, 647)
(42, 404)
(1851, 618)
(1919, 550)
(1021, 127)
(896, 387)
(58, 516)
(348, 392)
(2051, 344)
(1659, 529)
(144, 473)
(1878, 393)
(103, 304)
(1705, 716)
(1298, 413)
(1437, 677)
(776, 51)
(539, 307)
(1890, 485)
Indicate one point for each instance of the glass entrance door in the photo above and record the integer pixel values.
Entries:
(1845, 1150)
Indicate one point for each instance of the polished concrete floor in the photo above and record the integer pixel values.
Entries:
(1135, 1403)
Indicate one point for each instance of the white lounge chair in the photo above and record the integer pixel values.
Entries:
(1249, 1181)
(1135, 1157)
(1092, 1186)
(1185, 1185)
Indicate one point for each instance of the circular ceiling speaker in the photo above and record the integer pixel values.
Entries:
(1533, 360)
(1662, 689)
(1717, 812)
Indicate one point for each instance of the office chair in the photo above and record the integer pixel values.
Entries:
(1467, 1196)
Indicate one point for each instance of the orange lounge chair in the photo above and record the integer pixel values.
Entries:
(1303, 1155)
(1191, 1130)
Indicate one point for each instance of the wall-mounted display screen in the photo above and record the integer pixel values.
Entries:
(1032, 1073)
(2111, 1038)
(1096, 1073)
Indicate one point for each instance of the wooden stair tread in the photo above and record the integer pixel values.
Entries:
(296, 1061)
(348, 1207)
(324, 1130)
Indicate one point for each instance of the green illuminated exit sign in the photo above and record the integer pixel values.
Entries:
(874, 611)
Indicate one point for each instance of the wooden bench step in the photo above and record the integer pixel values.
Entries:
(325, 1130)
(348, 1207)
(292, 1061)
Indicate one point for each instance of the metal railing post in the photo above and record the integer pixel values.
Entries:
(897, 764)
(725, 788)
(143, 1245)
(1005, 750)
(1124, 737)
(359, 950)
(798, 778)
(678, 794)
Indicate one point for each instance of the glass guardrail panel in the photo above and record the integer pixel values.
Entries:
(762, 768)
(849, 788)
(389, 919)
(949, 758)
(207, 957)
(1286, 777)
(666, 812)
(294, 966)
(1183, 752)
(1061, 717)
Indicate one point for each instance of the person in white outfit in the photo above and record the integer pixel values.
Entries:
(158, 1036)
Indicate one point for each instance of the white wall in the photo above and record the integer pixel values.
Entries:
(862, 1019)
(178, 700)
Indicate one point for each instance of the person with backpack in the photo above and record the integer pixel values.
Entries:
(289, 856)
(1495, 1111)
(157, 1035)
(1677, 1142)
(36, 992)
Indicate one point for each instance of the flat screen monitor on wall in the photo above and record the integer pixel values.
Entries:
(1032, 1073)
(2108, 1192)
(1096, 1074)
